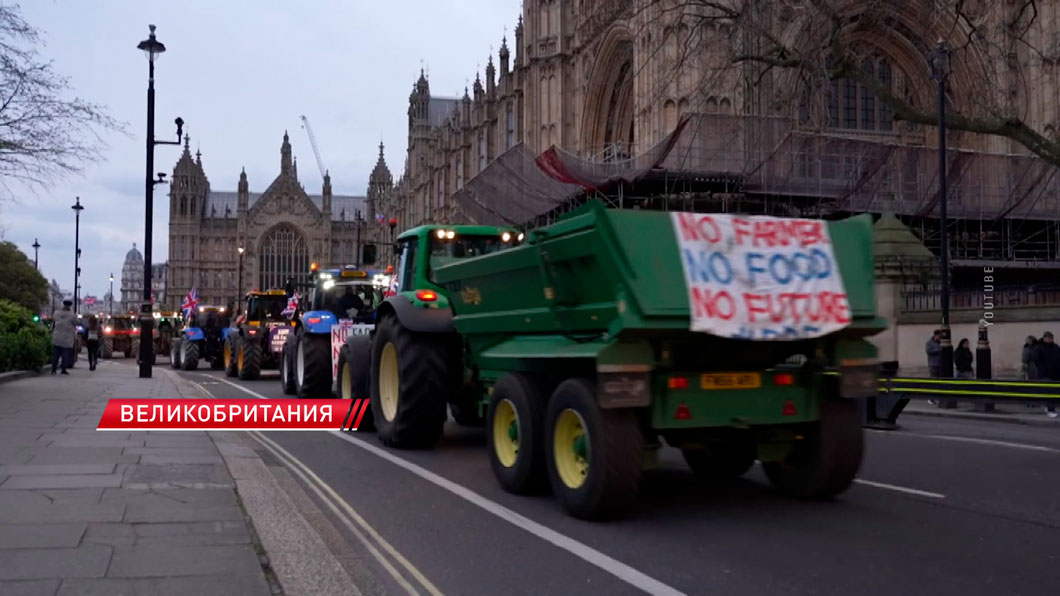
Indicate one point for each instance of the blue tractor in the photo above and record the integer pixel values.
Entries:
(344, 299)
(202, 338)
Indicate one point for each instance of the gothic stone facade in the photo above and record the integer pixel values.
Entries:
(282, 230)
(600, 78)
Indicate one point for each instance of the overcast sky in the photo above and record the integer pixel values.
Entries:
(239, 72)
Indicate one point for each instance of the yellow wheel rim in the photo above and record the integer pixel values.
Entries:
(346, 383)
(239, 358)
(506, 433)
(388, 381)
(228, 356)
(570, 448)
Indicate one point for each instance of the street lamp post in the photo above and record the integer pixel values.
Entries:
(152, 48)
(393, 248)
(111, 307)
(360, 223)
(36, 247)
(940, 71)
(78, 208)
(239, 282)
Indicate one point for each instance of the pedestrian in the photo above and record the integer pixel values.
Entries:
(934, 354)
(962, 360)
(92, 335)
(64, 331)
(1030, 371)
(1046, 358)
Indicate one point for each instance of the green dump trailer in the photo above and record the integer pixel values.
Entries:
(578, 345)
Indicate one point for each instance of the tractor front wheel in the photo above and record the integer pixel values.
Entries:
(287, 367)
(190, 357)
(593, 454)
(312, 365)
(825, 460)
(229, 353)
(249, 358)
(175, 351)
(108, 347)
(410, 385)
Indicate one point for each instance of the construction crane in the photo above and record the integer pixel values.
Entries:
(313, 143)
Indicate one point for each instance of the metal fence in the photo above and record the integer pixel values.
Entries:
(929, 300)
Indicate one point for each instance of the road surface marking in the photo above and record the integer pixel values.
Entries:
(316, 484)
(901, 489)
(977, 441)
(583, 551)
(347, 515)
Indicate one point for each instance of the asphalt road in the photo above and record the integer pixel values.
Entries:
(942, 507)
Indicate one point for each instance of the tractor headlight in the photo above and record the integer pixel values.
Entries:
(328, 284)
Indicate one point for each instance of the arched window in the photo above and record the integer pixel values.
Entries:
(510, 120)
(284, 253)
(481, 151)
(851, 106)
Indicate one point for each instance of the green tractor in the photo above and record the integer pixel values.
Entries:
(579, 348)
(256, 340)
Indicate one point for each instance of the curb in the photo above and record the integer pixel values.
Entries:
(1011, 419)
(15, 375)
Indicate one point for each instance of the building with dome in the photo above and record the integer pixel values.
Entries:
(281, 229)
(132, 280)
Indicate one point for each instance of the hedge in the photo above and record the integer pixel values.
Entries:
(24, 344)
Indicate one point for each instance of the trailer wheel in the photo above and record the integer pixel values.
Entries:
(410, 385)
(824, 462)
(248, 359)
(353, 382)
(287, 368)
(108, 347)
(231, 369)
(515, 433)
(312, 367)
(723, 460)
(593, 454)
(190, 357)
(174, 353)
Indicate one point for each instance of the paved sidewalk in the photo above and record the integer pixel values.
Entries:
(87, 512)
(1014, 413)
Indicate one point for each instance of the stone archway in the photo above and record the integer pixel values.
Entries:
(608, 114)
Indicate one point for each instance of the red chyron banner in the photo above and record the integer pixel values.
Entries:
(233, 414)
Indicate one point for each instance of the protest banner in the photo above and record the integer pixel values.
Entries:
(339, 334)
(760, 277)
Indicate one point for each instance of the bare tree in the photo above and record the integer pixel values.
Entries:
(44, 133)
(795, 50)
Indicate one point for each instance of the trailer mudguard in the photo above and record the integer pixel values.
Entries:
(418, 318)
(194, 334)
(318, 321)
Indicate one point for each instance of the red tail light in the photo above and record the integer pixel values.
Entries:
(426, 295)
(784, 379)
(252, 331)
(682, 413)
(677, 383)
(313, 320)
(789, 409)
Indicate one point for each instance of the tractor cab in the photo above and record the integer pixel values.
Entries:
(261, 307)
(348, 293)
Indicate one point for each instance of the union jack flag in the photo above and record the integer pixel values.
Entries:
(391, 289)
(292, 305)
(190, 302)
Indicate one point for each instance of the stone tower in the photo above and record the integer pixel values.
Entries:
(380, 187)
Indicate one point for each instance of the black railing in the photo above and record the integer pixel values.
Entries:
(977, 299)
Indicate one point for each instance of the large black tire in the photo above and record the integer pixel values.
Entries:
(825, 462)
(515, 433)
(189, 360)
(312, 365)
(722, 461)
(174, 353)
(133, 348)
(108, 347)
(416, 382)
(287, 367)
(352, 382)
(602, 481)
(249, 358)
(229, 355)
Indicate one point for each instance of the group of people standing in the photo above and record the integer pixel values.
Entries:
(64, 336)
(1040, 360)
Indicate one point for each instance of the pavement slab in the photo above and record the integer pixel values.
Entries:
(66, 535)
(62, 481)
(209, 585)
(45, 563)
(48, 469)
(164, 560)
(42, 587)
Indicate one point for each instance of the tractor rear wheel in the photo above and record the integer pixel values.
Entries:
(593, 454)
(353, 379)
(312, 366)
(515, 433)
(175, 351)
(287, 367)
(190, 358)
(229, 349)
(249, 358)
(722, 460)
(824, 462)
(410, 384)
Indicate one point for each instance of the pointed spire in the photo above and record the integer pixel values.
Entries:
(285, 155)
(198, 157)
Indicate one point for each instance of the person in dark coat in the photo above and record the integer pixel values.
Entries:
(962, 360)
(1047, 359)
(1030, 371)
(93, 333)
(934, 354)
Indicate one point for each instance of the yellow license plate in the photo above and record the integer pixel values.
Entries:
(730, 380)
